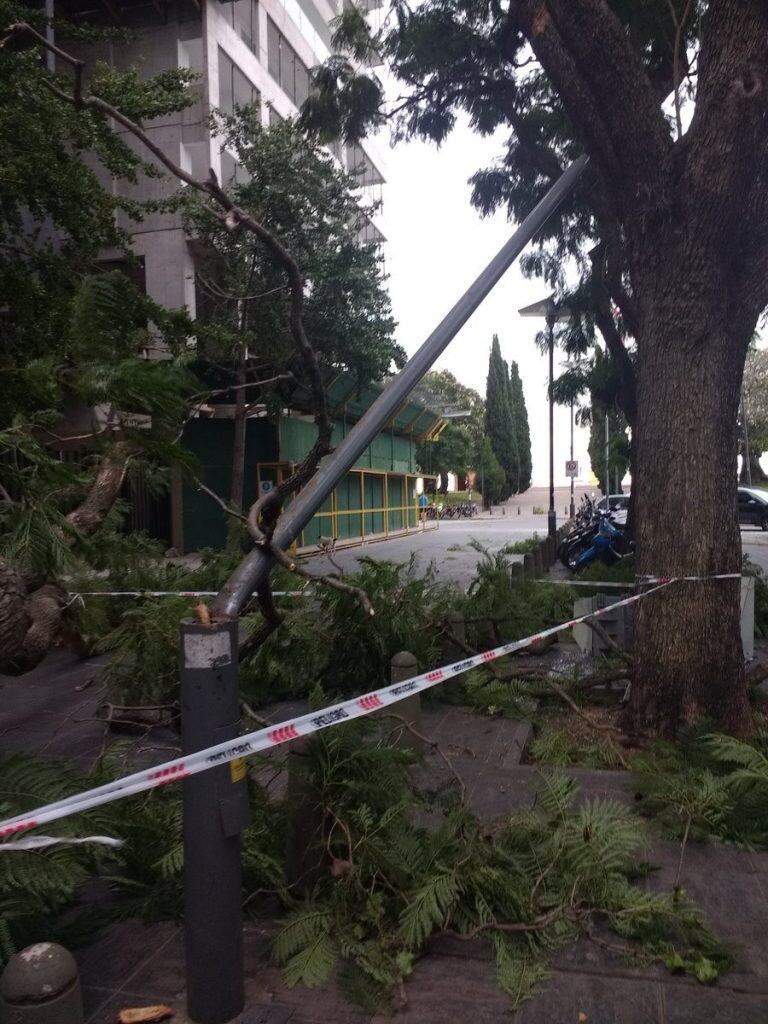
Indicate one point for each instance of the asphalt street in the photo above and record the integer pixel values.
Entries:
(449, 545)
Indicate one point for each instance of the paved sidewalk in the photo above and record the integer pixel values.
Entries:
(134, 964)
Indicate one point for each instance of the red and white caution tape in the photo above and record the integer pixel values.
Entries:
(41, 842)
(272, 736)
(74, 594)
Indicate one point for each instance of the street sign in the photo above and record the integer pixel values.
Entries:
(571, 468)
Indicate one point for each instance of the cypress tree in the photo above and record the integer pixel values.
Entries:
(522, 430)
(499, 424)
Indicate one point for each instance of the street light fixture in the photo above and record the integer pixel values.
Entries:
(549, 309)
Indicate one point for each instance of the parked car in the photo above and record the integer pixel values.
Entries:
(615, 501)
(753, 507)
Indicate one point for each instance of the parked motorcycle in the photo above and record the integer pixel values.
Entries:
(596, 535)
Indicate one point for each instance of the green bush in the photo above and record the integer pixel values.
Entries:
(535, 883)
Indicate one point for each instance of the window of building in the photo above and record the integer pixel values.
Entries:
(232, 173)
(285, 65)
(243, 16)
(235, 90)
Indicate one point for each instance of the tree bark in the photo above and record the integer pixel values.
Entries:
(688, 657)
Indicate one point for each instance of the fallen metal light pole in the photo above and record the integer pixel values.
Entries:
(253, 570)
(213, 807)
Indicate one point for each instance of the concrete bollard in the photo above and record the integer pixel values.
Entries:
(538, 561)
(550, 551)
(40, 985)
(529, 565)
(516, 571)
(404, 666)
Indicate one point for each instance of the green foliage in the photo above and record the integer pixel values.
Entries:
(537, 881)
(37, 886)
(618, 447)
(499, 418)
(452, 452)
(491, 476)
(144, 667)
(711, 786)
(146, 872)
(516, 608)
(523, 547)
(317, 213)
(555, 747)
(522, 429)
(356, 648)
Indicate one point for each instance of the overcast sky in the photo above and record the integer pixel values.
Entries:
(436, 245)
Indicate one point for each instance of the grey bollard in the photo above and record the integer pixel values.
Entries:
(216, 811)
(550, 551)
(516, 571)
(404, 666)
(538, 561)
(503, 510)
(529, 565)
(40, 985)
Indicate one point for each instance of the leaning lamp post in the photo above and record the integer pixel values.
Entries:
(548, 309)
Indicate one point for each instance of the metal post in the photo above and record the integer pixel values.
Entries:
(746, 439)
(215, 813)
(255, 567)
(572, 506)
(551, 515)
(607, 469)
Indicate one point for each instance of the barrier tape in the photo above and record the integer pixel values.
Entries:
(275, 735)
(41, 842)
(309, 592)
(74, 594)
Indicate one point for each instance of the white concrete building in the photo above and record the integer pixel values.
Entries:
(242, 50)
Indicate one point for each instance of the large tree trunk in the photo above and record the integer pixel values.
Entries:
(688, 656)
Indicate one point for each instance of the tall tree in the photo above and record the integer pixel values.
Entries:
(756, 409)
(522, 429)
(71, 342)
(499, 423)
(453, 452)
(490, 476)
(618, 447)
(317, 212)
(673, 212)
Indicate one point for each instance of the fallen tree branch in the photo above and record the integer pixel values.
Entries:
(597, 627)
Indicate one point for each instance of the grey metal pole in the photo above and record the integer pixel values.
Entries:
(255, 567)
(215, 813)
(746, 439)
(573, 507)
(607, 468)
(551, 515)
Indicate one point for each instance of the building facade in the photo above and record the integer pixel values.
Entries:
(241, 51)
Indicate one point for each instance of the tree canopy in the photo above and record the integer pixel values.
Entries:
(666, 233)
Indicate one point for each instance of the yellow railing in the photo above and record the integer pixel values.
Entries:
(410, 520)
